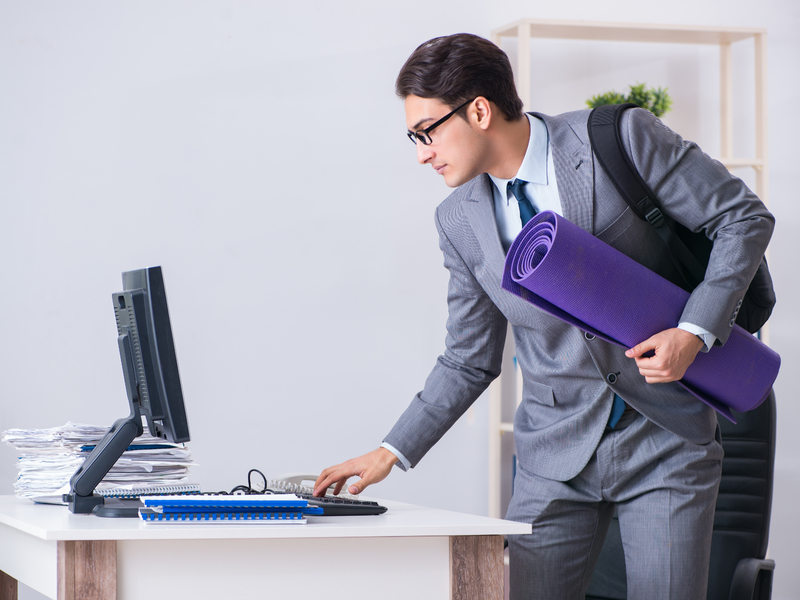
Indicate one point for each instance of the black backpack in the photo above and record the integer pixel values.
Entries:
(689, 251)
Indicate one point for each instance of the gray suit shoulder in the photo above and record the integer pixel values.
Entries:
(576, 120)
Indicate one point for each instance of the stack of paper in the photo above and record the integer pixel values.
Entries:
(49, 457)
(235, 508)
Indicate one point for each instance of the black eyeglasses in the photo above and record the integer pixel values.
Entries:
(424, 135)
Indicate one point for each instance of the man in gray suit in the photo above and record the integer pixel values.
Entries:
(598, 427)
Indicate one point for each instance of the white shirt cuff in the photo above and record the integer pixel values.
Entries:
(402, 461)
(707, 337)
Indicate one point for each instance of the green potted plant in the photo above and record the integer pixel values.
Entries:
(655, 100)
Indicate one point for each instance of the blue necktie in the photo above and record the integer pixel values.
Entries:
(526, 209)
(616, 411)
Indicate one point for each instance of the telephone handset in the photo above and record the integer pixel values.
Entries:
(301, 483)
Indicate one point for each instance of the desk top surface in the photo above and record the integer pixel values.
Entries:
(49, 522)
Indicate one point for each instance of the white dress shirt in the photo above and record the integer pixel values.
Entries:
(542, 189)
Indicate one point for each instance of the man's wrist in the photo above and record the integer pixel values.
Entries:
(706, 337)
(397, 457)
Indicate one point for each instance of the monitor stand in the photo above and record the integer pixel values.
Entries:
(82, 498)
(118, 507)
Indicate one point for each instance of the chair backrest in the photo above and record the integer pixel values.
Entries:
(744, 504)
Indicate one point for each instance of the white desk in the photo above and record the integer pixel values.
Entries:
(408, 552)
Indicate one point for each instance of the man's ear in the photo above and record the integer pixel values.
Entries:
(483, 112)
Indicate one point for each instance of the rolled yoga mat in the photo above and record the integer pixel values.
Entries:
(570, 274)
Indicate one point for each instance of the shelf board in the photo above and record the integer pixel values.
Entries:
(631, 32)
(736, 163)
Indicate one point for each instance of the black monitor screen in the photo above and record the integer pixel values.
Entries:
(142, 314)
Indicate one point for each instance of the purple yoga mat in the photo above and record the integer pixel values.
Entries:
(570, 274)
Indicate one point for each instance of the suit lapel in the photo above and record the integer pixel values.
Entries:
(572, 160)
(479, 208)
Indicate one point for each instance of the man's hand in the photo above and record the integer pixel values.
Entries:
(674, 350)
(371, 468)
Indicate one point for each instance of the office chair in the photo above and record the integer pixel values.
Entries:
(738, 569)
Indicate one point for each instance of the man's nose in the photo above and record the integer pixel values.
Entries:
(424, 153)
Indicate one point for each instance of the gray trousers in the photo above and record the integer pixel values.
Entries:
(664, 489)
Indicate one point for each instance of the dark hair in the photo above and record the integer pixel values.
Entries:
(457, 68)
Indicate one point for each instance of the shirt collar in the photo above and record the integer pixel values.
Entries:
(534, 166)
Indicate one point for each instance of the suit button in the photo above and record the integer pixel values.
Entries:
(611, 378)
(588, 336)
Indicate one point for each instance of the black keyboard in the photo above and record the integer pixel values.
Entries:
(332, 506)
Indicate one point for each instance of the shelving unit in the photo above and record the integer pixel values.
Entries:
(508, 388)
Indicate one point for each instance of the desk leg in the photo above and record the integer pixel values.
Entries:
(476, 567)
(8, 587)
(87, 570)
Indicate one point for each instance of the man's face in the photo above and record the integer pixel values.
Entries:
(456, 145)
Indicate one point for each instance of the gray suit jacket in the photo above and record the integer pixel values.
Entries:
(567, 393)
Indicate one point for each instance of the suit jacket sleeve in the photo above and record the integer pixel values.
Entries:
(476, 331)
(701, 194)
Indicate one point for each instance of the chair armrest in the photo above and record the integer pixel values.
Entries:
(746, 576)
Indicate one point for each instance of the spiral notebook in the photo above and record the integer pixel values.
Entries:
(136, 491)
(155, 516)
(266, 509)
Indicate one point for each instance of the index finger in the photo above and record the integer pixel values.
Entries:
(327, 478)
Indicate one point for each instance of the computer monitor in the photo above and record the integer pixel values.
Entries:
(150, 369)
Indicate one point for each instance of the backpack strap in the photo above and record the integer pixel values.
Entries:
(606, 141)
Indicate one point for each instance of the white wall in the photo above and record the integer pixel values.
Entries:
(257, 152)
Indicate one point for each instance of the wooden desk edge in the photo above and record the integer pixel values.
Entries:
(476, 567)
